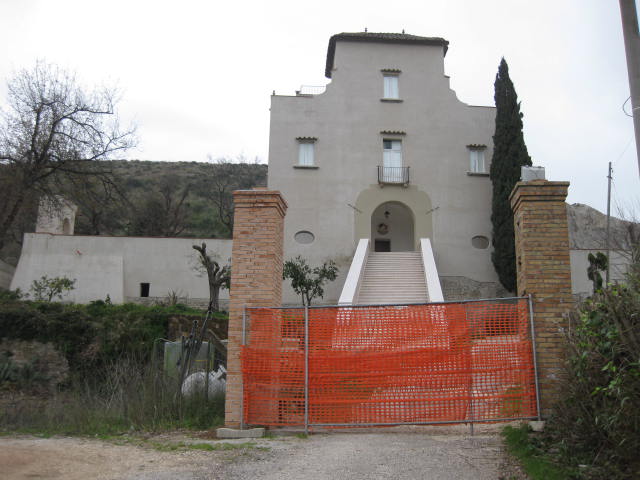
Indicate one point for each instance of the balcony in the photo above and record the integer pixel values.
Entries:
(393, 175)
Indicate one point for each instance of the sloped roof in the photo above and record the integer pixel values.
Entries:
(402, 38)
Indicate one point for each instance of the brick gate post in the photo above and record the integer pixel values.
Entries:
(544, 271)
(256, 275)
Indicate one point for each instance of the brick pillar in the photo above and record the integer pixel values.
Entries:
(544, 271)
(256, 275)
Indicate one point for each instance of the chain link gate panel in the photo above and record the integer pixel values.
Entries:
(356, 366)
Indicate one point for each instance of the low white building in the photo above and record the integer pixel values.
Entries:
(127, 269)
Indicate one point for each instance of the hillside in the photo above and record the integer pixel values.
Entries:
(176, 199)
(188, 199)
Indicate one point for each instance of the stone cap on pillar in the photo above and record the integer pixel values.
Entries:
(538, 191)
(260, 198)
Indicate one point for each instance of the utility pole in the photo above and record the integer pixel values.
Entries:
(608, 224)
(631, 35)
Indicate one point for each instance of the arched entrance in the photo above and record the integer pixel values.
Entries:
(392, 228)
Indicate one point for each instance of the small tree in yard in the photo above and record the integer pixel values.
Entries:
(45, 289)
(597, 263)
(217, 275)
(509, 155)
(306, 281)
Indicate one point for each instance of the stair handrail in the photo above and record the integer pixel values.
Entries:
(430, 271)
(354, 277)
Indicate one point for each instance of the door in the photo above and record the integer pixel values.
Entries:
(382, 246)
(392, 161)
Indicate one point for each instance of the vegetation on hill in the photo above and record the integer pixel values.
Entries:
(144, 198)
(509, 155)
(167, 199)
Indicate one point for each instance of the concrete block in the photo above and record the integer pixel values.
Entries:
(537, 425)
(224, 432)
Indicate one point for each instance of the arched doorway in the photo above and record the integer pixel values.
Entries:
(392, 228)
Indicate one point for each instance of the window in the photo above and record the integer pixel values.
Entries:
(391, 86)
(306, 153)
(144, 289)
(392, 156)
(476, 159)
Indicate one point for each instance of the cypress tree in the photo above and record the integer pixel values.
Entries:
(509, 154)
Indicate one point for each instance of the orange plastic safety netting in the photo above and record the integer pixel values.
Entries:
(452, 362)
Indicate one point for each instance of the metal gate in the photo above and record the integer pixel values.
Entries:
(375, 365)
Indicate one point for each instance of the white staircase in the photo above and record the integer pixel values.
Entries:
(393, 277)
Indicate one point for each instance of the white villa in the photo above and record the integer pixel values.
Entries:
(387, 153)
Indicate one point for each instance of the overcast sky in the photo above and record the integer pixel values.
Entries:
(196, 76)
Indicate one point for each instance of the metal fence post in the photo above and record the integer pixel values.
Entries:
(244, 341)
(469, 329)
(207, 370)
(306, 369)
(535, 356)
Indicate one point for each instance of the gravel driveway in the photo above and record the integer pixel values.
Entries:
(407, 453)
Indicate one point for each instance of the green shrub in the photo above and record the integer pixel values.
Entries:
(90, 336)
(598, 421)
(46, 289)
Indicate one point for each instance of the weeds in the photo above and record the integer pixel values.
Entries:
(533, 460)
(128, 397)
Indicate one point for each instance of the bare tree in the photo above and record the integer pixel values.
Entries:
(217, 275)
(164, 211)
(225, 177)
(100, 204)
(53, 128)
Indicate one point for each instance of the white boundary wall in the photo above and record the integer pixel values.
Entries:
(430, 271)
(352, 283)
(116, 266)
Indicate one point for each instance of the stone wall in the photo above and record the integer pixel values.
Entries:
(464, 288)
(48, 362)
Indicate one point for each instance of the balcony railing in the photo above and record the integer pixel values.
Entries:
(393, 175)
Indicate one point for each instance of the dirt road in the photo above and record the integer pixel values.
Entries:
(410, 453)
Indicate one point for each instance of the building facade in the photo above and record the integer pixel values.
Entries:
(386, 152)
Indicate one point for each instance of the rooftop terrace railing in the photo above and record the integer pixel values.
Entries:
(311, 90)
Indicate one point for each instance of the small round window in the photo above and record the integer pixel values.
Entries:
(480, 242)
(304, 237)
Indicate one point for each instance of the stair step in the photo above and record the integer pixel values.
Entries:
(393, 278)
